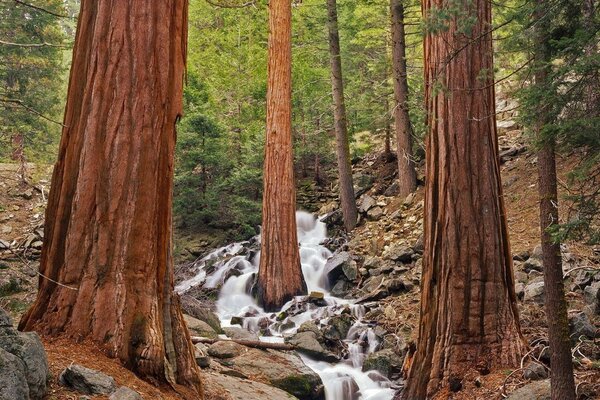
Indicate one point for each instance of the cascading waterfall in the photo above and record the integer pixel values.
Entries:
(235, 272)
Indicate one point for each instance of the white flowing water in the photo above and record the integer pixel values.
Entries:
(235, 271)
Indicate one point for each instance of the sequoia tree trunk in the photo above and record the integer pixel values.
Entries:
(347, 198)
(562, 381)
(469, 317)
(407, 177)
(107, 266)
(280, 274)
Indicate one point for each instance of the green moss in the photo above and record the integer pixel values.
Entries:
(299, 385)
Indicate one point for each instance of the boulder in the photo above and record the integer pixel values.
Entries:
(534, 292)
(341, 264)
(307, 342)
(244, 389)
(124, 393)
(520, 290)
(592, 297)
(539, 390)
(534, 371)
(532, 264)
(367, 203)
(87, 381)
(236, 333)
(13, 383)
(385, 361)
(341, 288)
(28, 349)
(199, 328)
(225, 349)
(285, 371)
(337, 327)
(398, 252)
(580, 325)
(198, 310)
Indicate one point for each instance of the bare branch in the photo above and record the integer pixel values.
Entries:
(25, 106)
(42, 9)
(45, 44)
(229, 4)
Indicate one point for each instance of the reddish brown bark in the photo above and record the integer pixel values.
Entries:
(407, 177)
(469, 316)
(280, 275)
(347, 197)
(561, 374)
(108, 221)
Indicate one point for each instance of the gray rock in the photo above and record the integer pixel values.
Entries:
(13, 382)
(581, 326)
(592, 297)
(28, 348)
(534, 371)
(535, 292)
(341, 288)
(385, 361)
(201, 311)
(306, 342)
(243, 389)
(199, 328)
(375, 213)
(367, 203)
(225, 349)
(285, 371)
(520, 290)
(124, 393)
(87, 381)
(399, 252)
(539, 390)
(337, 327)
(236, 333)
(537, 252)
(341, 264)
(532, 264)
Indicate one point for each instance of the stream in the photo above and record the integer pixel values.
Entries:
(233, 268)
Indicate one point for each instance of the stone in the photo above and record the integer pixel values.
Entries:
(539, 390)
(199, 328)
(398, 252)
(236, 333)
(375, 213)
(125, 393)
(337, 327)
(409, 199)
(534, 371)
(385, 361)
(537, 252)
(580, 325)
(340, 264)
(244, 389)
(532, 264)
(534, 292)
(506, 125)
(362, 182)
(87, 381)
(28, 349)
(13, 383)
(316, 295)
(591, 295)
(4, 245)
(225, 349)
(520, 290)
(198, 310)
(306, 342)
(341, 288)
(367, 203)
(285, 371)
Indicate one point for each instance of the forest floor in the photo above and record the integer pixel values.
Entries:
(397, 221)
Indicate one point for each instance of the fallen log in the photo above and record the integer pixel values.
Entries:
(257, 344)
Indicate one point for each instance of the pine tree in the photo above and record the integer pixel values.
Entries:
(107, 267)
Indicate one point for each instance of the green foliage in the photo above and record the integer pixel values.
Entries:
(32, 79)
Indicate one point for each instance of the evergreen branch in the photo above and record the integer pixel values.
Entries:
(229, 5)
(44, 44)
(32, 110)
(42, 9)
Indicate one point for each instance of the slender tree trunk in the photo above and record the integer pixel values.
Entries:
(388, 130)
(107, 266)
(18, 155)
(561, 375)
(592, 90)
(407, 177)
(280, 275)
(469, 317)
(347, 198)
